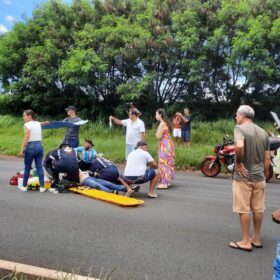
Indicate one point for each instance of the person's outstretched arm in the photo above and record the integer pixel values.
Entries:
(115, 120)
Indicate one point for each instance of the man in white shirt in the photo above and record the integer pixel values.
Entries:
(136, 171)
(135, 130)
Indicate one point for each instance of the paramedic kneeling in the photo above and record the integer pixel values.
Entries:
(136, 171)
(62, 160)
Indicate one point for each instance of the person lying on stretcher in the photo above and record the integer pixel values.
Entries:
(106, 186)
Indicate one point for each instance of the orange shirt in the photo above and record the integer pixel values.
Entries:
(177, 123)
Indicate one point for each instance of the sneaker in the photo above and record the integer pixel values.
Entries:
(53, 190)
(42, 189)
(116, 192)
(24, 189)
(136, 188)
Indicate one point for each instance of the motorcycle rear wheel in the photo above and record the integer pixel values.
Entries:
(210, 167)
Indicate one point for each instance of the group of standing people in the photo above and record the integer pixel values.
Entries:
(136, 135)
(32, 149)
(182, 127)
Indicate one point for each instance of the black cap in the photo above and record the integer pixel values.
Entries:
(70, 108)
(140, 144)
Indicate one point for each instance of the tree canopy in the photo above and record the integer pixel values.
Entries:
(210, 55)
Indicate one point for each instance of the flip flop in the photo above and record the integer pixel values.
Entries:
(257, 246)
(129, 193)
(238, 247)
(152, 196)
(136, 188)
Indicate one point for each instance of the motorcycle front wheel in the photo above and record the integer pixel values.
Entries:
(210, 167)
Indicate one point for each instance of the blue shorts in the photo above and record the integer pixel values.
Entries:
(186, 135)
(148, 176)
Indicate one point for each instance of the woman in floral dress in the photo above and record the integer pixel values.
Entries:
(166, 152)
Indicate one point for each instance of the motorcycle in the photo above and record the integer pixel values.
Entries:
(225, 155)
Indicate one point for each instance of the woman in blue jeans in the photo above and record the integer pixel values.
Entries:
(32, 149)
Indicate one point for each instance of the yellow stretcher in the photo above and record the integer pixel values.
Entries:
(109, 197)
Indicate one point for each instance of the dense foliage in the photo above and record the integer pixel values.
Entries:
(211, 55)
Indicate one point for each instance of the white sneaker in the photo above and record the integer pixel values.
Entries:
(53, 190)
(24, 189)
(42, 189)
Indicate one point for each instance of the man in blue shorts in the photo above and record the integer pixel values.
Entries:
(136, 171)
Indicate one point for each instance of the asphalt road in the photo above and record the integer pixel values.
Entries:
(181, 235)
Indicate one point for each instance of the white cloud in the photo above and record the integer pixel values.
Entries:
(3, 29)
(7, 2)
(10, 19)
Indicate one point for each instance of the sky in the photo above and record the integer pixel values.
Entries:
(13, 10)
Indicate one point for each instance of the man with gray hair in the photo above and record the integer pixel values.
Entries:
(252, 159)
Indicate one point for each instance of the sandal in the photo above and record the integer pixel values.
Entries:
(257, 246)
(162, 186)
(234, 245)
(129, 193)
(152, 195)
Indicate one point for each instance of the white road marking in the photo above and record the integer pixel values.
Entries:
(40, 271)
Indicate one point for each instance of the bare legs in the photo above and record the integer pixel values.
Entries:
(257, 217)
(245, 228)
(152, 185)
(247, 241)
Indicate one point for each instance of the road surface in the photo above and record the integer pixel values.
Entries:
(181, 235)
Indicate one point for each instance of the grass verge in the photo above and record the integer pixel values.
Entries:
(112, 142)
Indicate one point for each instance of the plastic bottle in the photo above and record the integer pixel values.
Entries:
(20, 179)
(276, 265)
(20, 182)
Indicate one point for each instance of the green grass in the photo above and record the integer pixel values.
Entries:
(112, 142)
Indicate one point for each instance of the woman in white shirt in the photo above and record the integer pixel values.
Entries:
(32, 149)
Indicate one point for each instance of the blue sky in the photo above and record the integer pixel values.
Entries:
(12, 10)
